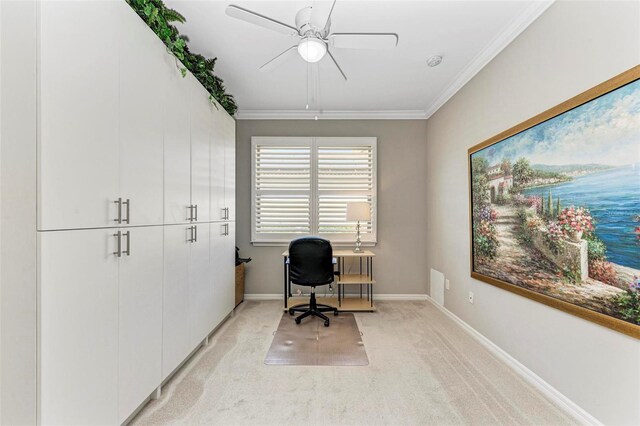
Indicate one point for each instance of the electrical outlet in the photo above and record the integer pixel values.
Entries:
(447, 284)
(471, 297)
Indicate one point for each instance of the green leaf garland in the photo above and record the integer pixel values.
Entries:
(160, 18)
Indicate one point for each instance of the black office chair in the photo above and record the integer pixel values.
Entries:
(311, 264)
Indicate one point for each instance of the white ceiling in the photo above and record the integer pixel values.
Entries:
(387, 84)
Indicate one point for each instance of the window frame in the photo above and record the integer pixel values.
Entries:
(313, 143)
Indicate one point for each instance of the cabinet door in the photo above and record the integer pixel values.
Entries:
(176, 341)
(140, 317)
(230, 167)
(222, 271)
(177, 149)
(200, 289)
(228, 256)
(201, 124)
(218, 182)
(78, 327)
(78, 140)
(143, 78)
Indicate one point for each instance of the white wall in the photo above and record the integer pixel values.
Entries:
(18, 212)
(572, 47)
(401, 250)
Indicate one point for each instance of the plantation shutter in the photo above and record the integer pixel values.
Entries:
(346, 173)
(282, 188)
(301, 186)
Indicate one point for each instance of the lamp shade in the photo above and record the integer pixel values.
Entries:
(358, 212)
(312, 49)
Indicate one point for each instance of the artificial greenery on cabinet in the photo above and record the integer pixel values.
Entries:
(160, 18)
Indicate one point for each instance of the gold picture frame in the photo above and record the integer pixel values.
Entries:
(488, 271)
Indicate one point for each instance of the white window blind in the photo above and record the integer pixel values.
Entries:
(301, 186)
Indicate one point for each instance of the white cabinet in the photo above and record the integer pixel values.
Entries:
(201, 111)
(78, 327)
(188, 307)
(102, 80)
(176, 342)
(217, 168)
(189, 125)
(140, 317)
(143, 76)
(223, 264)
(177, 149)
(223, 167)
(230, 167)
(101, 323)
(200, 288)
(131, 279)
(78, 113)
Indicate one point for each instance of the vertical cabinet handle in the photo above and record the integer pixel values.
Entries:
(118, 251)
(190, 208)
(191, 237)
(226, 229)
(224, 213)
(128, 245)
(119, 203)
(128, 210)
(196, 208)
(195, 233)
(222, 227)
(227, 216)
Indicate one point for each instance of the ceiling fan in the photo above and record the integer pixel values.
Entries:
(315, 39)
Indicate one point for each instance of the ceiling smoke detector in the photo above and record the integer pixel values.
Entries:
(434, 61)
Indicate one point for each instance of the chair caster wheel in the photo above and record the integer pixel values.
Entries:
(291, 312)
(326, 323)
(335, 313)
(297, 320)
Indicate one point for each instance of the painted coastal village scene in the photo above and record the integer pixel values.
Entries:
(556, 208)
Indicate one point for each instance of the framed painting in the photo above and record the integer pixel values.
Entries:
(555, 206)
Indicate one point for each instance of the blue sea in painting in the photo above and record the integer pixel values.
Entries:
(613, 196)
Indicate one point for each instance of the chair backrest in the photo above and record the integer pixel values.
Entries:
(310, 261)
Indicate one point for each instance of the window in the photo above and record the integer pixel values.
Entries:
(301, 186)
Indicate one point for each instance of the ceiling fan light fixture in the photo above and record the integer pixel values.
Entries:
(312, 49)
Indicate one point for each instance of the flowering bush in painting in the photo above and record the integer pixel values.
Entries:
(601, 270)
(575, 219)
(485, 239)
(629, 301)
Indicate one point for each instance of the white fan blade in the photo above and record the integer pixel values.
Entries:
(278, 60)
(377, 41)
(260, 20)
(336, 63)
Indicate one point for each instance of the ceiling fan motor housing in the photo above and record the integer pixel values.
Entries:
(305, 22)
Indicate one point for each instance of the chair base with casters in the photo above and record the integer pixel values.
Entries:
(313, 309)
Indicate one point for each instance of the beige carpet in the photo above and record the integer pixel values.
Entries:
(424, 369)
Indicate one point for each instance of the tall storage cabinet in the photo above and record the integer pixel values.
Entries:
(136, 174)
(78, 327)
(139, 316)
(78, 102)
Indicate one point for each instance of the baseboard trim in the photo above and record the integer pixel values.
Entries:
(260, 296)
(278, 296)
(549, 391)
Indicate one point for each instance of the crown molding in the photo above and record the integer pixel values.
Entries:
(505, 38)
(330, 115)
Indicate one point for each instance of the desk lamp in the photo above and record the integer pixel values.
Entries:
(357, 212)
